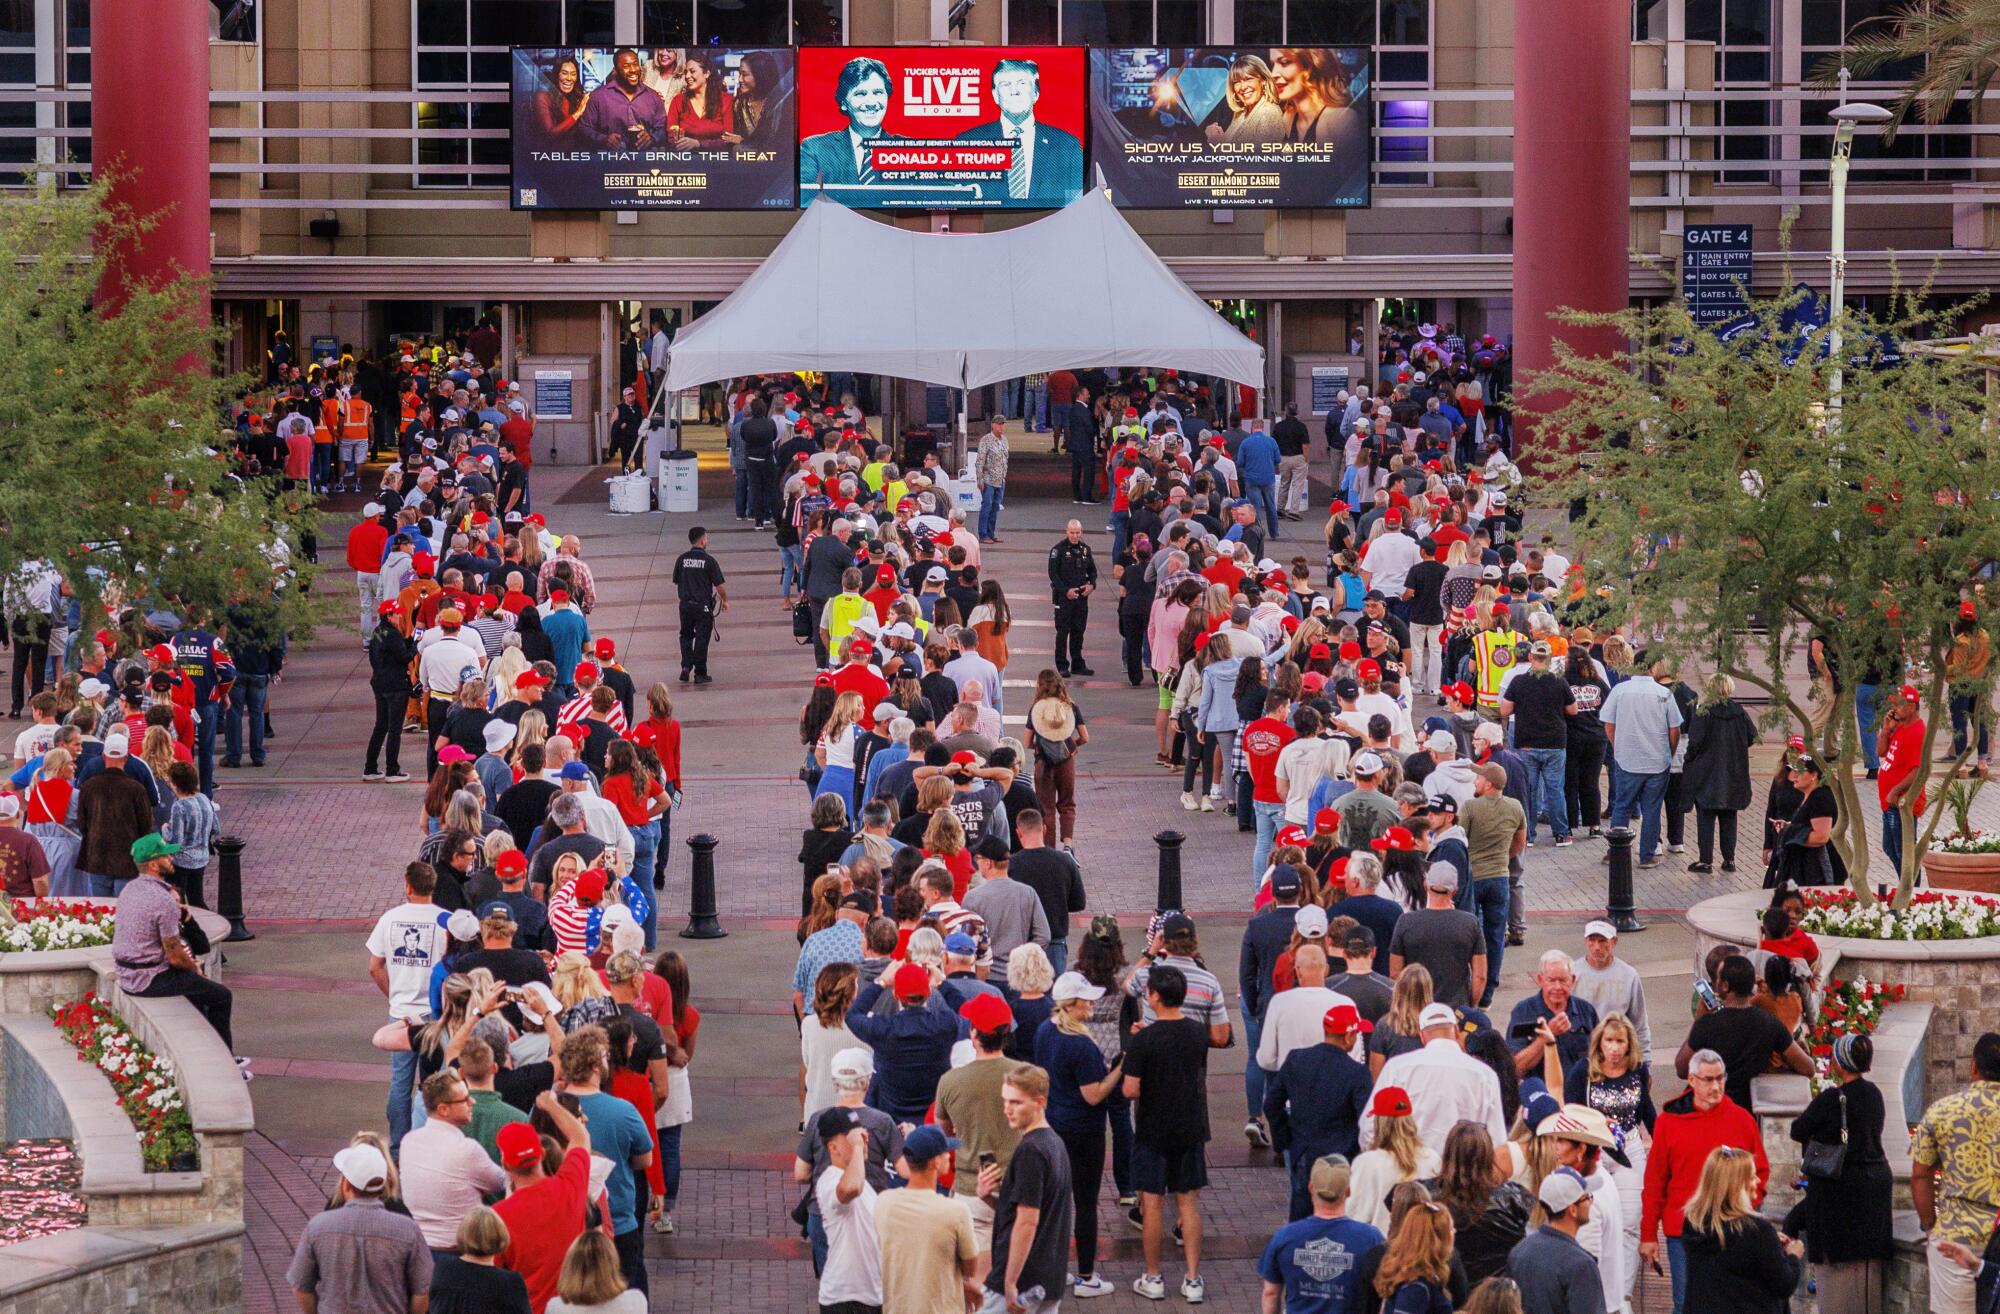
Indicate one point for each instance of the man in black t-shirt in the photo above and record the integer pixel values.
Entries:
(1746, 1036)
(1030, 1254)
(1054, 877)
(1423, 595)
(698, 577)
(1166, 1075)
(1541, 703)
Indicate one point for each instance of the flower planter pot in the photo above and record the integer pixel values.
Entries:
(1978, 873)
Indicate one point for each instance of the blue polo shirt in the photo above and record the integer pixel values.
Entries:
(1574, 1044)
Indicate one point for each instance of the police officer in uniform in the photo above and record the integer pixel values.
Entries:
(698, 576)
(1072, 579)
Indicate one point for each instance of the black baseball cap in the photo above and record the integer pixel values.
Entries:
(837, 1121)
(993, 849)
(1360, 940)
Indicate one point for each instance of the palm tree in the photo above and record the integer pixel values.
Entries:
(1957, 43)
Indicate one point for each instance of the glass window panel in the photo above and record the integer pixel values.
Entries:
(78, 70)
(1406, 22)
(1748, 22)
(78, 115)
(492, 66)
(440, 22)
(1861, 12)
(667, 22)
(1107, 22)
(1704, 20)
(516, 23)
(1330, 22)
(1182, 23)
(1260, 22)
(1031, 22)
(17, 24)
(78, 23)
(1819, 22)
(741, 22)
(16, 150)
(498, 150)
(233, 20)
(17, 70)
(591, 23)
(1750, 66)
(816, 23)
(1649, 20)
(440, 67)
(1407, 66)
(1754, 146)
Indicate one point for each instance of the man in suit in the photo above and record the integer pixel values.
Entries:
(840, 158)
(1047, 169)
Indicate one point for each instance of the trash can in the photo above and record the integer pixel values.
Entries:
(680, 475)
(630, 494)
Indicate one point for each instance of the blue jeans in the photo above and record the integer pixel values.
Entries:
(1677, 1266)
(646, 843)
(1035, 411)
(1265, 498)
(1269, 817)
(1057, 950)
(1641, 796)
(247, 697)
(1254, 1077)
(1490, 898)
(204, 744)
(816, 1236)
(105, 887)
(1892, 838)
(402, 1085)
(989, 513)
(742, 482)
(792, 570)
(1121, 522)
(1865, 712)
(670, 1164)
(1010, 396)
(1545, 787)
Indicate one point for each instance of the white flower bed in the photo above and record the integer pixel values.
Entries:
(41, 927)
(1930, 916)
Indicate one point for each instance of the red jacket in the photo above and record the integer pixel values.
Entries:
(1682, 1141)
(364, 546)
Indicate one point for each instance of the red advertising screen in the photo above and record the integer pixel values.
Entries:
(942, 128)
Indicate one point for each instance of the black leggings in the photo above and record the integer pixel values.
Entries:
(388, 732)
(30, 663)
(1086, 1174)
(1583, 773)
(1706, 822)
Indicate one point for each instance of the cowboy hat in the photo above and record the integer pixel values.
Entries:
(1053, 718)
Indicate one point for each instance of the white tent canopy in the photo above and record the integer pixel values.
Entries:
(843, 293)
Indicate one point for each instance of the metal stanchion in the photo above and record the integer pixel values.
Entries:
(703, 924)
(229, 885)
(1169, 893)
(1618, 902)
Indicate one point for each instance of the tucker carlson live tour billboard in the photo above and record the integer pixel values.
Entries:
(699, 128)
(1214, 126)
(941, 128)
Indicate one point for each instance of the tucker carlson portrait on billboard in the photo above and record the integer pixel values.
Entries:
(1213, 126)
(707, 128)
(931, 128)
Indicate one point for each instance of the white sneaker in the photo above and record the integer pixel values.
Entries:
(1208, 805)
(371, 775)
(1189, 802)
(1677, 848)
(1150, 1285)
(1253, 1131)
(664, 1224)
(1192, 1290)
(1085, 1288)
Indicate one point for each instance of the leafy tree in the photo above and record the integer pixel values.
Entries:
(1730, 515)
(116, 467)
(1956, 44)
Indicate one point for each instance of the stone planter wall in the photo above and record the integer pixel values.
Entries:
(195, 1269)
(1960, 979)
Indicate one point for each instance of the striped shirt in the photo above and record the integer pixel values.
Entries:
(569, 921)
(577, 708)
(1204, 1002)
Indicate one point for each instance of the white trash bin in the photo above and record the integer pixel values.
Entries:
(680, 481)
(630, 494)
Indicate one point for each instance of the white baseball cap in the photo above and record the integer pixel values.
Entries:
(887, 711)
(372, 510)
(10, 806)
(1599, 929)
(117, 745)
(854, 1061)
(1565, 1186)
(1436, 1015)
(1440, 876)
(363, 1166)
(1440, 741)
(93, 688)
(1365, 764)
(1310, 921)
(463, 924)
(1074, 985)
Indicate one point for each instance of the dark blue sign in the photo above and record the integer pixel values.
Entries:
(1715, 270)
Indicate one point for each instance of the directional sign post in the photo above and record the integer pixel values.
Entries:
(1715, 270)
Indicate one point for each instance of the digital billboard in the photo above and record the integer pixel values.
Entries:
(708, 128)
(941, 128)
(1216, 126)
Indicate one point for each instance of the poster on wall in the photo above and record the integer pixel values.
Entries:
(1215, 126)
(706, 128)
(937, 128)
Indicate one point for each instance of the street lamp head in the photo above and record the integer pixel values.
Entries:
(1856, 113)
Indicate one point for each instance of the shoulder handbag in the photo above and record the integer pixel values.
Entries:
(802, 622)
(1825, 1160)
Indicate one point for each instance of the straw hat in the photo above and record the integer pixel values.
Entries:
(1053, 718)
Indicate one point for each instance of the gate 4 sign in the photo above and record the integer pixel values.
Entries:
(1715, 270)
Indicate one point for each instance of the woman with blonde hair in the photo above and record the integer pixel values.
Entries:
(471, 1279)
(436, 1041)
(156, 750)
(1417, 1264)
(1254, 115)
(581, 991)
(944, 840)
(1029, 977)
(1399, 1155)
(823, 1033)
(1399, 1032)
(835, 750)
(502, 671)
(593, 1281)
(1734, 1257)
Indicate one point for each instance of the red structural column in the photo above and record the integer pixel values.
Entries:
(1572, 173)
(149, 123)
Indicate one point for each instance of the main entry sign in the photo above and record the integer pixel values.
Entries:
(1715, 270)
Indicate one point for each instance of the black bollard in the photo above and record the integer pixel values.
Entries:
(1169, 894)
(1618, 902)
(229, 885)
(703, 924)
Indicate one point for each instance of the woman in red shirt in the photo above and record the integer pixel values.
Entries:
(640, 800)
(50, 788)
(703, 112)
(635, 1089)
(660, 734)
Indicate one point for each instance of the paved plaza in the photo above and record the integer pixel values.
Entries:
(326, 853)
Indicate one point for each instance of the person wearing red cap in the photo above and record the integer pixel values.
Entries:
(1900, 746)
(1316, 1100)
(1968, 667)
(969, 1108)
(912, 1045)
(570, 719)
(544, 1213)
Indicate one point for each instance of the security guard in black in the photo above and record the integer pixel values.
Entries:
(1072, 579)
(698, 577)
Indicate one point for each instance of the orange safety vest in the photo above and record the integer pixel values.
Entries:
(359, 416)
(329, 421)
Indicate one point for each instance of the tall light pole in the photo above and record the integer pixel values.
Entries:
(1847, 117)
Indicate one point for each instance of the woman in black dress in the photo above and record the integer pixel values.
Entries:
(1783, 799)
(1845, 1219)
(1804, 853)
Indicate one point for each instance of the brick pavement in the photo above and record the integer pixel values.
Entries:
(326, 848)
